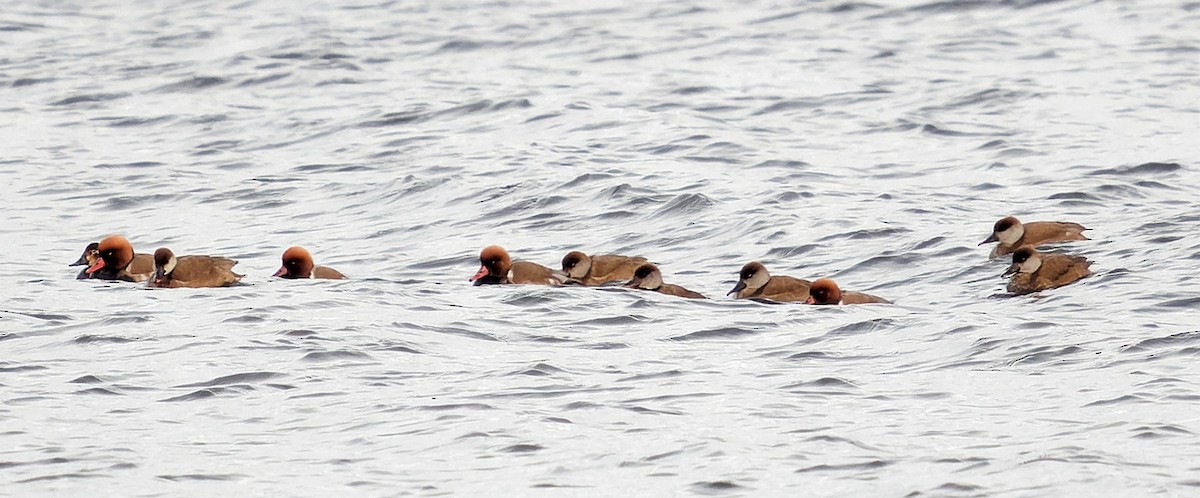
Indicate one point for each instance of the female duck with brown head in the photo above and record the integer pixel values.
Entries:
(600, 270)
(496, 267)
(114, 260)
(1012, 234)
(1033, 271)
(192, 271)
(826, 291)
(298, 263)
(755, 282)
(648, 277)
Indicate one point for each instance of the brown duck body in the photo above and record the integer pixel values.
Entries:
(1055, 270)
(648, 277)
(826, 291)
(1012, 234)
(676, 290)
(192, 271)
(602, 269)
(755, 282)
(851, 297)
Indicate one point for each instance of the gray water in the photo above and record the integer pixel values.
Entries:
(873, 143)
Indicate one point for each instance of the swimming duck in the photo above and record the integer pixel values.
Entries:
(1012, 234)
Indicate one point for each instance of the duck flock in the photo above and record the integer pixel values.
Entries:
(114, 259)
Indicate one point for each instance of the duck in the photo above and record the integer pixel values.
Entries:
(1012, 234)
(648, 277)
(191, 271)
(1033, 271)
(599, 270)
(754, 281)
(143, 264)
(114, 259)
(497, 267)
(826, 291)
(298, 263)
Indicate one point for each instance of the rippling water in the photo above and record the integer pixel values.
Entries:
(874, 143)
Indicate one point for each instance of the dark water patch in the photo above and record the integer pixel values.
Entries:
(456, 407)
(604, 346)
(900, 261)
(652, 376)
(1173, 340)
(130, 122)
(262, 80)
(90, 98)
(823, 383)
(196, 395)
(954, 487)
(786, 164)
(718, 333)
(44, 461)
(540, 370)
(791, 105)
(1155, 185)
(693, 90)
(88, 379)
(711, 488)
(245, 319)
(1120, 400)
(1077, 196)
(868, 234)
(651, 411)
(614, 320)
(685, 204)
(22, 368)
(332, 168)
(100, 391)
(541, 117)
(102, 339)
(864, 327)
(1141, 169)
(1159, 431)
(241, 378)
(23, 82)
(130, 202)
(1187, 303)
(133, 165)
(587, 178)
(201, 477)
(522, 448)
(72, 475)
(318, 356)
(790, 251)
(991, 97)
(191, 84)
(847, 467)
(1046, 354)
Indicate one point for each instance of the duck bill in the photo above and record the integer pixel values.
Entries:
(1010, 271)
(282, 271)
(810, 300)
(991, 238)
(737, 288)
(82, 261)
(156, 278)
(483, 272)
(633, 284)
(96, 266)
